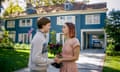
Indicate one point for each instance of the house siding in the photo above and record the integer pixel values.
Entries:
(79, 24)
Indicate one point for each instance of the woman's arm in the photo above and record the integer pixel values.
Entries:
(74, 58)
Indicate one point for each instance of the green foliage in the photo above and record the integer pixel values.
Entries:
(12, 9)
(53, 37)
(110, 51)
(6, 42)
(5, 65)
(53, 47)
(112, 64)
(112, 27)
(48, 2)
(12, 60)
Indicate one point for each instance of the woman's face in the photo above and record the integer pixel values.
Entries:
(65, 29)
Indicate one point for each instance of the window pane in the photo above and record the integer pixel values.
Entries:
(92, 19)
(62, 19)
(10, 24)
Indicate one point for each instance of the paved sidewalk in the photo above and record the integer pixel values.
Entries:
(90, 60)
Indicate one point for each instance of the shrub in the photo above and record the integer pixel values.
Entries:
(111, 50)
(7, 45)
(6, 42)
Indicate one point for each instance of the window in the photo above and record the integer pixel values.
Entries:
(12, 35)
(11, 24)
(92, 19)
(23, 38)
(62, 19)
(25, 23)
(60, 38)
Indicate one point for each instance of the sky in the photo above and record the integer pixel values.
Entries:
(111, 4)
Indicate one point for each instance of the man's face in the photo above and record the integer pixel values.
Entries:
(46, 27)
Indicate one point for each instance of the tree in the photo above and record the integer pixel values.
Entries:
(113, 28)
(47, 2)
(12, 9)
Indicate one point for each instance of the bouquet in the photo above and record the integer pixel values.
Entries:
(56, 50)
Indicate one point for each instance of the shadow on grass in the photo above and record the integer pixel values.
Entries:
(108, 69)
(11, 60)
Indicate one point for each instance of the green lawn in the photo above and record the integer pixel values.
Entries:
(112, 64)
(11, 60)
(50, 55)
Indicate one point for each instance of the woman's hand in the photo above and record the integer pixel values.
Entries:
(58, 60)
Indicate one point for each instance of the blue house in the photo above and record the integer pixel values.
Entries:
(88, 19)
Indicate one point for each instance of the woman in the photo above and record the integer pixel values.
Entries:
(70, 50)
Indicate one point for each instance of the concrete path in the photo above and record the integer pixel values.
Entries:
(90, 60)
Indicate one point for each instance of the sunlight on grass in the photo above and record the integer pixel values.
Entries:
(112, 64)
(26, 51)
(50, 55)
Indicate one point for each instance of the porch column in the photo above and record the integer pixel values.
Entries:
(82, 40)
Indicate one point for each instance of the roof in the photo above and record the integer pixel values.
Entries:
(76, 6)
(60, 8)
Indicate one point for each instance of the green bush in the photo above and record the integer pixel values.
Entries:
(6, 42)
(111, 50)
(7, 45)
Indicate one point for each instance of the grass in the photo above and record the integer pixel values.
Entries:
(11, 60)
(112, 64)
(50, 55)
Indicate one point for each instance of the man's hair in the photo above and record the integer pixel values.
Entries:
(42, 21)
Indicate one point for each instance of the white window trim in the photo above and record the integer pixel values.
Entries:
(92, 19)
(23, 37)
(1, 33)
(58, 38)
(11, 24)
(26, 24)
(62, 21)
(12, 35)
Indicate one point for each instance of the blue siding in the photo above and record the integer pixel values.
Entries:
(34, 25)
(54, 25)
(16, 28)
(79, 24)
(93, 26)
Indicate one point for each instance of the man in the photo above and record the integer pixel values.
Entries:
(38, 59)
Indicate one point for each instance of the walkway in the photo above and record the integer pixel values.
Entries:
(90, 60)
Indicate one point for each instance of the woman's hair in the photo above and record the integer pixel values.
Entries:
(42, 21)
(71, 28)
